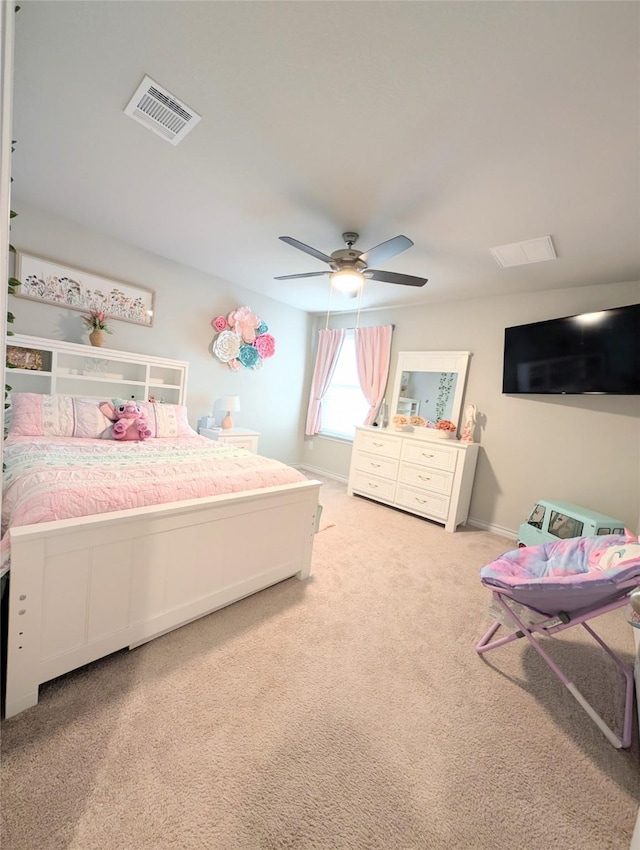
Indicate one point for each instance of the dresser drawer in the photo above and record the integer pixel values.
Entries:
(378, 444)
(428, 454)
(242, 443)
(376, 465)
(415, 472)
(425, 478)
(241, 438)
(422, 501)
(377, 488)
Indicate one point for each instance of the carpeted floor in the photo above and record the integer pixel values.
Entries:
(348, 711)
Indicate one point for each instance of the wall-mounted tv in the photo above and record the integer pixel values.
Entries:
(589, 353)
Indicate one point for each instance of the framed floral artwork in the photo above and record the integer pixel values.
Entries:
(75, 289)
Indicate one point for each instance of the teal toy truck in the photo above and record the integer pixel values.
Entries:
(558, 520)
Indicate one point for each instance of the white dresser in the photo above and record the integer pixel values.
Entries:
(416, 471)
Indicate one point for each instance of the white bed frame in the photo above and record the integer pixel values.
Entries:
(82, 588)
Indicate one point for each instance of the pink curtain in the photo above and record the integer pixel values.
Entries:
(329, 345)
(373, 355)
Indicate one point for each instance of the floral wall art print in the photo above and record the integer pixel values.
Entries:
(242, 340)
(53, 283)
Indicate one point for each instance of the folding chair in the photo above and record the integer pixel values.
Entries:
(542, 590)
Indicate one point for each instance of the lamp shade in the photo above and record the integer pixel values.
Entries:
(229, 403)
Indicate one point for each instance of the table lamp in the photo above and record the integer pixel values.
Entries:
(230, 403)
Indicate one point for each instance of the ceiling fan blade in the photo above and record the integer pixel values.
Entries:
(394, 277)
(302, 247)
(306, 274)
(384, 250)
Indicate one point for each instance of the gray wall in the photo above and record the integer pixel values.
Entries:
(186, 301)
(582, 449)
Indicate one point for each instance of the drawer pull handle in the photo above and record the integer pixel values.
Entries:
(378, 445)
(373, 486)
(424, 454)
(421, 501)
(375, 465)
(424, 477)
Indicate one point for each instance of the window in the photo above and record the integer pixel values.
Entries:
(564, 526)
(344, 405)
(537, 517)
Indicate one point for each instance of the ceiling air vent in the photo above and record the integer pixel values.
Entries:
(161, 112)
(523, 253)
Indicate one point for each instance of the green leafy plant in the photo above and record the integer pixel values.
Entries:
(12, 285)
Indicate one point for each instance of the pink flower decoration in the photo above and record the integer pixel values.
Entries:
(244, 322)
(266, 345)
(241, 340)
(97, 320)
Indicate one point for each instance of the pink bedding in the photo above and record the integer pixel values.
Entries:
(52, 478)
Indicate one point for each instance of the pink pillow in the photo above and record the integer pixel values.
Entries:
(37, 415)
(167, 420)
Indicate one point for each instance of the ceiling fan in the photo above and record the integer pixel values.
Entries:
(350, 268)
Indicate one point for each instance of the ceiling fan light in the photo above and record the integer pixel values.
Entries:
(348, 281)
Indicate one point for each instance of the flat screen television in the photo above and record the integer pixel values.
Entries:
(589, 353)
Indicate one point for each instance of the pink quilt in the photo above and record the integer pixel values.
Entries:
(52, 478)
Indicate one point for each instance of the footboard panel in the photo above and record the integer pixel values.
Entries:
(80, 589)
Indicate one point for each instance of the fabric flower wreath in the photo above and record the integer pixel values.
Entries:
(243, 340)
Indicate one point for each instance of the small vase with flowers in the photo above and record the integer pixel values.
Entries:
(446, 429)
(96, 322)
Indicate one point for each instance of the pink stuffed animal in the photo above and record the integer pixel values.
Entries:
(130, 420)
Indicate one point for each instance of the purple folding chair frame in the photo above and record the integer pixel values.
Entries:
(558, 623)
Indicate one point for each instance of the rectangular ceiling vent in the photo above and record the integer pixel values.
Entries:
(522, 253)
(161, 112)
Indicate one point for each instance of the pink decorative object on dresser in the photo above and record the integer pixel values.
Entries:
(469, 423)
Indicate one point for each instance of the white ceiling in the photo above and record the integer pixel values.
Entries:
(462, 125)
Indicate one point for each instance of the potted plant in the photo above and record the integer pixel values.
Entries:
(96, 321)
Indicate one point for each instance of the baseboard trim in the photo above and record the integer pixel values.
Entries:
(306, 468)
(494, 529)
(476, 523)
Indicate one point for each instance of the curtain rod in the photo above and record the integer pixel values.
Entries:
(393, 327)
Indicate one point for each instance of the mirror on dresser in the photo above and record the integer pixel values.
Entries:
(430, 384)
(414, 469)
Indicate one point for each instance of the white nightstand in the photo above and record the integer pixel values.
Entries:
(241, 437)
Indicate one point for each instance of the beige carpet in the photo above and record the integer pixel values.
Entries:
(349, 711)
